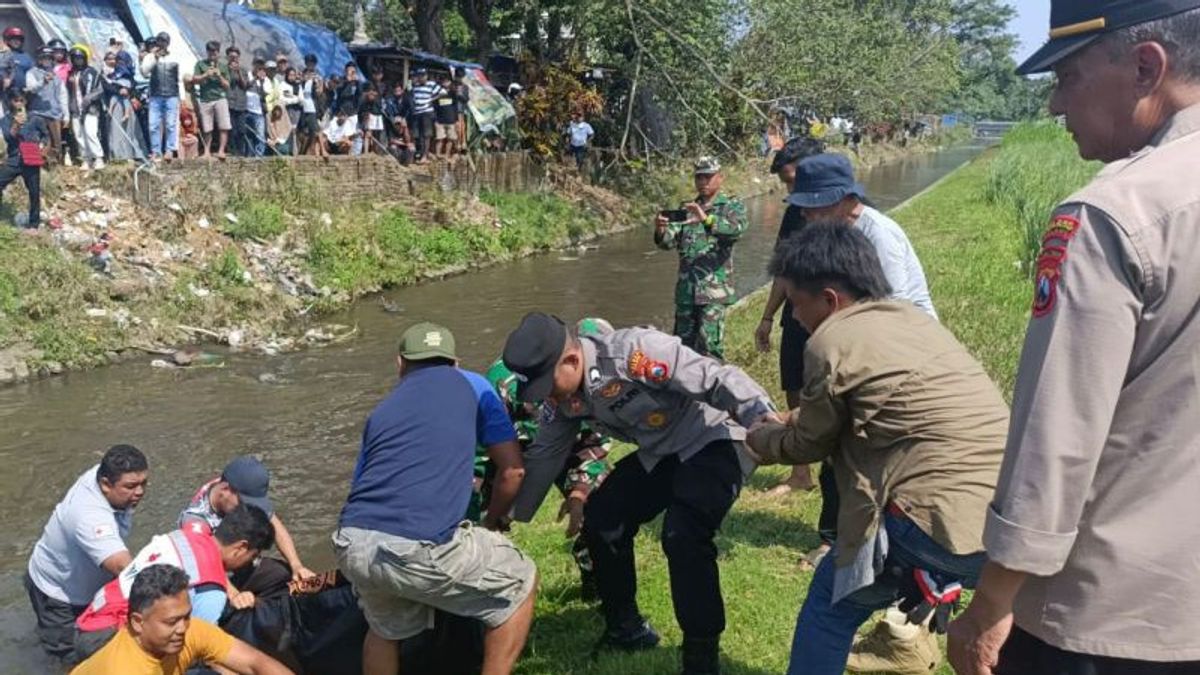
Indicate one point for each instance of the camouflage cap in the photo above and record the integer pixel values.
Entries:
(707, 165)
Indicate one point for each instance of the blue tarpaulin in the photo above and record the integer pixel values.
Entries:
(87, 22)
(191, 23)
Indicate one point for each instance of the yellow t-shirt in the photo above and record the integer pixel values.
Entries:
(203, 642)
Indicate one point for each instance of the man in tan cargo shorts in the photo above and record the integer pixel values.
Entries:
(211, 80)
(400, 540)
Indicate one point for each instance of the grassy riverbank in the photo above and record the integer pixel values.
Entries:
(971, 245)
(254, 270)
(256, 267)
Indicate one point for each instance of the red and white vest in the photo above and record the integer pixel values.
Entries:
(191, 549)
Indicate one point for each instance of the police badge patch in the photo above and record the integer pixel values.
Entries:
(643, 367)
(1050, 261)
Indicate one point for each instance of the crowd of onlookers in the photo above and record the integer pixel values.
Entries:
(125, 106)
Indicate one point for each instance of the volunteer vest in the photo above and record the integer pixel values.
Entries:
(192, 550)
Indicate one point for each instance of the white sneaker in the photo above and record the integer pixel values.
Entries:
(67, 160)
(98, 164)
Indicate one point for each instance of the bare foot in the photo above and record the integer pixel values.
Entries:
(814, 557)
(779, 490)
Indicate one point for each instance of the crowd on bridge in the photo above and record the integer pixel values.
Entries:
(1066, 512)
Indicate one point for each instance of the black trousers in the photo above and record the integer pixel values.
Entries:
(695, 495)
(422, 131)
(55, 621)
(32, 175)
(1025, 654)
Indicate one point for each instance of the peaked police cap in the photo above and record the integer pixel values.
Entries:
(1075, 24)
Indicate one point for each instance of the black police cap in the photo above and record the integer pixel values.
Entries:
(1075, 24)
(532, 352)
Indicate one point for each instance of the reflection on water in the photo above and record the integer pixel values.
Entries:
(305, 417)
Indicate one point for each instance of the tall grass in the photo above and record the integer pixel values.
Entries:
(1036, 167)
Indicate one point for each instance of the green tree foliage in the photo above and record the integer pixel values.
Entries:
(874, 59)
(699, 75)
(989, 85)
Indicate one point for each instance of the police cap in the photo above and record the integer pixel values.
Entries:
(1075, 24)
(532, 352)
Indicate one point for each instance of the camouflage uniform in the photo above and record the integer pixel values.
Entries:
(705, 286)
(585, 468)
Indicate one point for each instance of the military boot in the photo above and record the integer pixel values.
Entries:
(701, 656)
(895, 647)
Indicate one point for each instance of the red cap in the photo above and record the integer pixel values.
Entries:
(13, 31)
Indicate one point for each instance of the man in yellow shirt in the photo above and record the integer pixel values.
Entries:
(160, 637)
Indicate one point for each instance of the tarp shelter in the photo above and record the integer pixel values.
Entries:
(490, 110)
(192, 23)
(87, 22)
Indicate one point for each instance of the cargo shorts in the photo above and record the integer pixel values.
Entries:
(399, 582)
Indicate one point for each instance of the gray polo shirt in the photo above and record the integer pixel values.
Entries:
(901, 267)
(83, 531)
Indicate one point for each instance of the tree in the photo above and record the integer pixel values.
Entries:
(478, 15)
(427, 19)
(873, 59)
(990, 86)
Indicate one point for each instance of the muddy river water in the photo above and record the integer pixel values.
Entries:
(303, 412)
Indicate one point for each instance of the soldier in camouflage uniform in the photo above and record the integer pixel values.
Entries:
(705, 244)
(585, 468)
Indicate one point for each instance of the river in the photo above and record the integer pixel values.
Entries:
(303, 412)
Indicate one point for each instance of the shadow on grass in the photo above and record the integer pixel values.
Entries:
(763, 528)
(563, 642)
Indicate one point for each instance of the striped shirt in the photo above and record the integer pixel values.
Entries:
(423, 96)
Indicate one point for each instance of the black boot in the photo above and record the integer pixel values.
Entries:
(633, 635)
(701, 656)
(587, 587)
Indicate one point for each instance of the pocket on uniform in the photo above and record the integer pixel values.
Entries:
(639, 411)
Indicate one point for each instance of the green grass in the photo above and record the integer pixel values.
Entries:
(368, 251)
(971, 247)
(43, 295)
(1036, 168)
(257, 218)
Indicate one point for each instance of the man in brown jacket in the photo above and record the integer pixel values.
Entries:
(914, 429)
(1093, 539)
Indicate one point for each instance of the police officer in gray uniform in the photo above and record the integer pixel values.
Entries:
(688, 416)
(1092, 538)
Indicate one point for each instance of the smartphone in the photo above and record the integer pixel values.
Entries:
(674, 215)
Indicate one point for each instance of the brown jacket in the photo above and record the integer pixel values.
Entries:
(907, 415)
(1099, 496)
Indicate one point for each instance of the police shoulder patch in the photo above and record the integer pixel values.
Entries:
(1049, 264)
(646, 368)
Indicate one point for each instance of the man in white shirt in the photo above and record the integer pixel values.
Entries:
(825, 190)
(83, 545)
(579, 134)
(339, 133)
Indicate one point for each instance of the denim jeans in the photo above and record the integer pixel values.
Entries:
(164, 110)
(825, 631)
(255, 130)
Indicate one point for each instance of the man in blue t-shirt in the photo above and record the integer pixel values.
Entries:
(400, 541)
